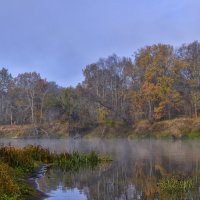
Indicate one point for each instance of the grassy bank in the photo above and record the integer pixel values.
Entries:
(17, 163)
(179, 128)
(109, 131)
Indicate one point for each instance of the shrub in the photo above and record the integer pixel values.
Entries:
(8, 188)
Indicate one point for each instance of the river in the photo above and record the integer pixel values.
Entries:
(135, 173)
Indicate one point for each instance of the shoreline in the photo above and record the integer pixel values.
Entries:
(21, 167)
(178, 128)
(32, 178)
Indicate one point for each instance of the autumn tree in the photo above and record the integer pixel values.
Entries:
(32, 88)
(107, 82)
(191, 72)
(155, 74)
(159, 82)
(5, 83)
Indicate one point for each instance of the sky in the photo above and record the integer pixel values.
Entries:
(58, 38)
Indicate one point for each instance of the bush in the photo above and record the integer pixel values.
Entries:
(8, 188)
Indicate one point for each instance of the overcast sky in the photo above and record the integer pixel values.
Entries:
(58, 38)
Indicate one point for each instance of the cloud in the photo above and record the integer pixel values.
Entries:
(57, 38)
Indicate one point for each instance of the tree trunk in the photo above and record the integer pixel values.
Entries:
(32, 110)
(11, 118)
(195, 110)
(169, 112)
(41, 109)
(150, 110)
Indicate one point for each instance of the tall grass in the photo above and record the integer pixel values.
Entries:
(76, 160)
(173, 188)
(28, 157)
(16, 158)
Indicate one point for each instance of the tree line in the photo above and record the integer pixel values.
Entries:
(159, 82)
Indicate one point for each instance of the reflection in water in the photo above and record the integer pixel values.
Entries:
(135, 173)
(63, 194)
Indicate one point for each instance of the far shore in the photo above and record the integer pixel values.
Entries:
(178, 128)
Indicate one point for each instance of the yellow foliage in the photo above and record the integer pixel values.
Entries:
(7, 186)
(158, 111)
(102, 114)
(150, 90)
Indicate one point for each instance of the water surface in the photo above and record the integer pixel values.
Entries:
(136, 170)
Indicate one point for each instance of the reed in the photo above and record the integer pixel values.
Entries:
(175, 188)
(76, 160)
(173, 185)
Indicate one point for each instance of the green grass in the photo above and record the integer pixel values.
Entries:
(175, 188)
(114, 122)
(76, 160)
(174, 185)
(8, 197)
(193, 135)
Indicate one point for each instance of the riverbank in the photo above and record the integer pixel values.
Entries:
(51, 130)
(18, 165)
(179, 128)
